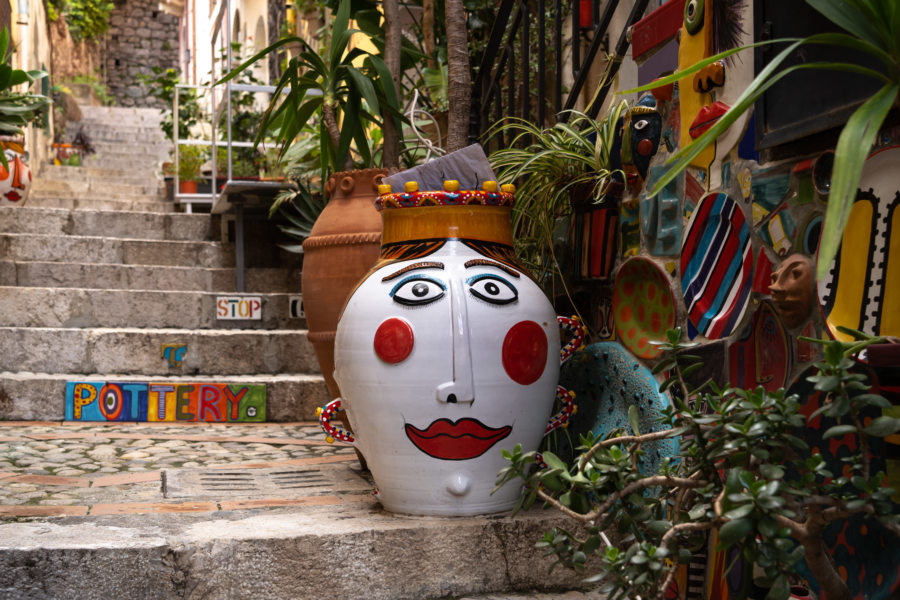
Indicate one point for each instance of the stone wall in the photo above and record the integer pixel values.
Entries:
(140, 37)
(70, 58)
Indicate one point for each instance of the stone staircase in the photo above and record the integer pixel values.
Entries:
(98, 274)
(122, 174)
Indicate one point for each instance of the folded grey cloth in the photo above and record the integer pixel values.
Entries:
(469, 166)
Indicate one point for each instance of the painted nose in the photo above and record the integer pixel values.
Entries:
(461, 389)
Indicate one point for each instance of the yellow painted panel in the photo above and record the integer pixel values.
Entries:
(851, 282)
(890, 307)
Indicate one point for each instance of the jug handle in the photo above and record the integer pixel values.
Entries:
(326, 413)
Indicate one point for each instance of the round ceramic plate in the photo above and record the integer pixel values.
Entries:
(607, 380)
(716, 266)
(862, 288)
(643, 306)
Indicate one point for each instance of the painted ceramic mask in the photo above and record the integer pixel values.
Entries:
(640, 140)
(15, 181)
(446, 354)
(792, 290)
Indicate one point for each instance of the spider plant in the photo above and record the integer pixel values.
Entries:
(873, 27)
(549, 167)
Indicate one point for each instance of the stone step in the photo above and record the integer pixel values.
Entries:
(41, 396)
(134, 351)
(109, 189)
(342, 549)
(85, 308)
(143, 277)
(121, 224)
(129, 204)
(123, 114)
(99, 175)
(50, 248)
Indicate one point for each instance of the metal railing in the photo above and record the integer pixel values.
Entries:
(527, 37)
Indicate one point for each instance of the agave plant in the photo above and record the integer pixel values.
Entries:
(347, 98)
(873, 27)
(17, 109)
(547, 166)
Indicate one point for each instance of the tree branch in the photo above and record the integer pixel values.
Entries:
(625, 439)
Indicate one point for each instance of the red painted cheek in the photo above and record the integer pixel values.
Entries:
(525, 352)
(645, 147)
(394, 340)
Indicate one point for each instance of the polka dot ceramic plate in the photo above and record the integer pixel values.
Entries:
(643, 306)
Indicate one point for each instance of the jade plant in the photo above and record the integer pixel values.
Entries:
(18, 108)
(742, 470)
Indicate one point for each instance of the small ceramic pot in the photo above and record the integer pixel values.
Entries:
(446, 354)
(15, 181)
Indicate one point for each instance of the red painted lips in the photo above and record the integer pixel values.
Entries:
(707, 117)
(462, 440)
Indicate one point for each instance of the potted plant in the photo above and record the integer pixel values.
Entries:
(190, 161)
(742, 471)
(345, 101)
(17, 109)
(553, 168)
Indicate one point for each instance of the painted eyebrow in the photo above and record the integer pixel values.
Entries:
(483, 262)
(413, 267)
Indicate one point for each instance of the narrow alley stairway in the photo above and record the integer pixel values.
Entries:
(99, 276)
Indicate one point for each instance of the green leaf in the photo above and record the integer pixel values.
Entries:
(740, 512)
(850, 155)
(554, 462)
(838, 430)
(734, 531)
(849, 16)
(634, 419)
(883, 426)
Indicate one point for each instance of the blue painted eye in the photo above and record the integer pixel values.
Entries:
(417, 290)
(492, 288)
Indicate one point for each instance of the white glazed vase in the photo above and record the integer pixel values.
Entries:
(15, 181)
(446, 353)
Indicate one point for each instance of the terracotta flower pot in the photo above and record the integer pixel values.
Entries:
(343, 245)
(187, 187)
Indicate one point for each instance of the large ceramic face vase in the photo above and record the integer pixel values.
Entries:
(446, 354)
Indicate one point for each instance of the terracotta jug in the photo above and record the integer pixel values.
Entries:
(343, 244)
(447, 353)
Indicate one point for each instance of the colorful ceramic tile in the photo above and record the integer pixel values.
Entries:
(762, 356)
(657, 27)
(745, 181)
(778, 231)
(716, 266)
(767, 190)
(864, 552)
(643, 306)
(661, 221)
(763, 273)
(164, 401)
(808, 351)
(862, 288)
(629, 216)
(607, 380)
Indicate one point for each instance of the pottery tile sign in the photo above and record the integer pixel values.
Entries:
(165, 401)
(238, 308)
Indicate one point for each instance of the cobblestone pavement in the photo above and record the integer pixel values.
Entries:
(65, 468)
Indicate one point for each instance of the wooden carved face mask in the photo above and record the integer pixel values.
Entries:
(792, 290)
